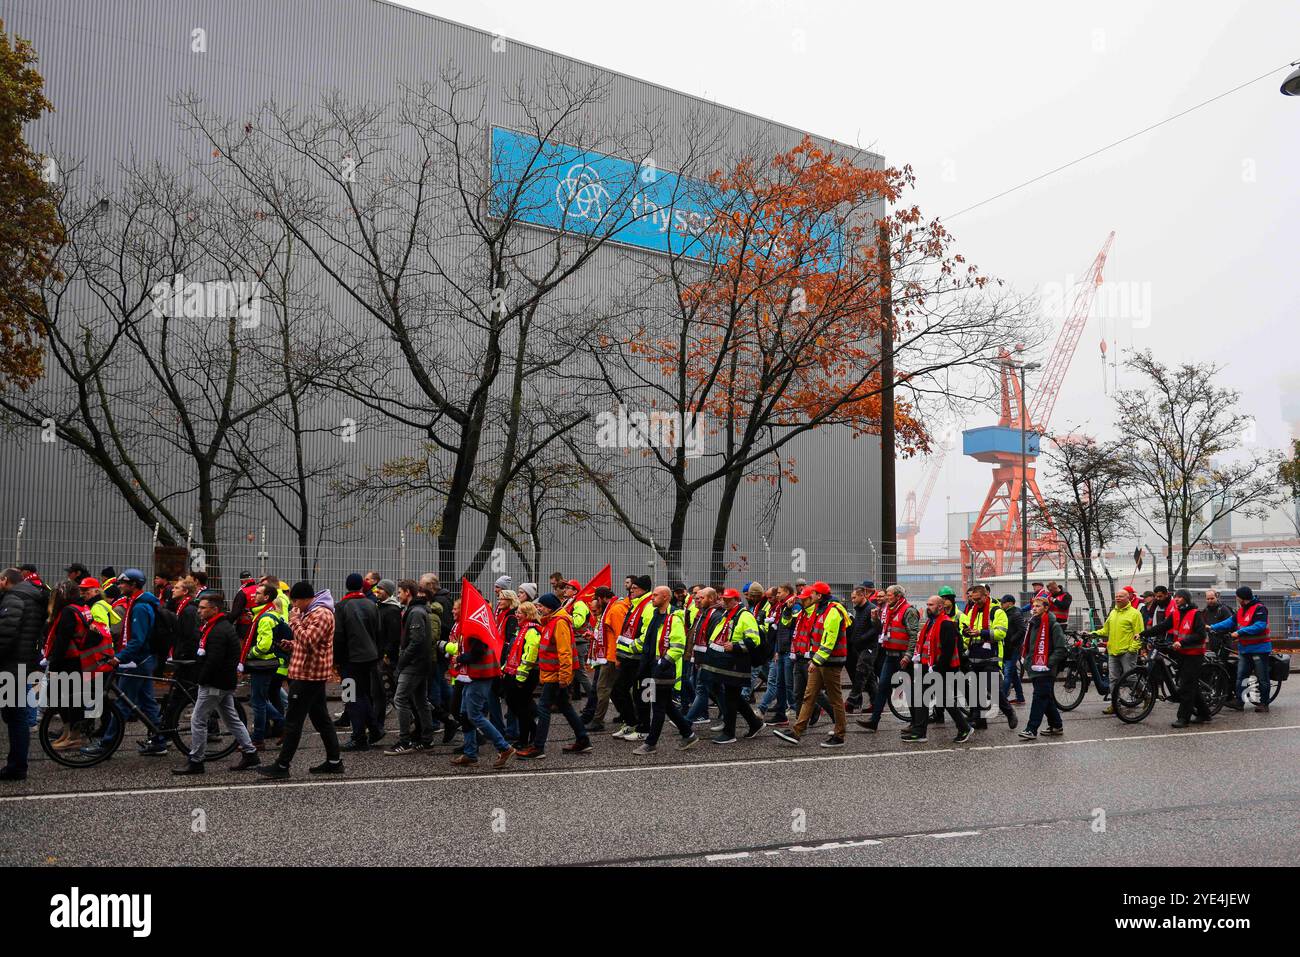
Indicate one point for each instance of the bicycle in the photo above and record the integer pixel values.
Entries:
(110, 729)
(1225, 660)
(1077, 671)
(1134, 696)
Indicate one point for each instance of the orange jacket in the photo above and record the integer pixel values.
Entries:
(561, 634)
(615, 615)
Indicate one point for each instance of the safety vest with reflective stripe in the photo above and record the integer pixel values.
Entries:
(928, 645)
(629, 641)
(896, 635)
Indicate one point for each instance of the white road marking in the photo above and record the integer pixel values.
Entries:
(1028, 747)
(954, 834)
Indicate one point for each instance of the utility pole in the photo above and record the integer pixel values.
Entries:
(888, 500)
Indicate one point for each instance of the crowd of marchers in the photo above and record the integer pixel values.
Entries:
(778, 658)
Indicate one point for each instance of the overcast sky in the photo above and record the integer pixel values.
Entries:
(981, 97)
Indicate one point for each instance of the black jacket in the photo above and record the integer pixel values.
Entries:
(185, 637)
(22, 625)
(420, 628)
(949, 642)
(1015, 632)
(356, 631)
(219, 666)
(862, 634)
(63, 656)
(390, 628)
(1055, 645)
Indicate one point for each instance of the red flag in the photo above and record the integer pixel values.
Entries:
(476, 619)
(588, 591)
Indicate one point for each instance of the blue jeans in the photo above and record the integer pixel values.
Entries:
(439, 692)
(1011, 678)
(1259, 662)
(780, 679)
(554, 695)
(1043, 703)
(706, 686)
(474, 699)
(881, 701)
(260, 683)
(20, 737)
(136, 684)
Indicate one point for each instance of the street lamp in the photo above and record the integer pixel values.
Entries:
(1291, 85)
(1024, 480)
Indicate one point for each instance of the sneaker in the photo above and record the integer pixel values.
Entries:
(1109, 709)
(189, 767)
(867, 726)
(594, 727)
(724, 738)
(834, 741)
(1013, 719)
(621, 733)
(715, 728)
(70, 743)
(276, 770)
(787, 736)
(153, 749)
(915, 737)
(689, 742)
(529, 752)
(700, 721)
(635, 736)
(377, 736)
(964, 736)
(753, 731)
(463, 760)
(1018, 702)
(779, 723)
(1261, 709)
(645, 749)
(12, 774)
(1053, 732)
(247, 760)
(1027, 735)
(503, 759)
(327, 767)
(355, 745)
(402, 747)
(1179, 723)
(578, 747)
(341, 720)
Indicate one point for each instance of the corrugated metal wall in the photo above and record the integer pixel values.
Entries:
(111, 68)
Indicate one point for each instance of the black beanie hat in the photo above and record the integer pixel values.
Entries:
(1245, 593)
(643, 582)
(302, 590)
(549, 601)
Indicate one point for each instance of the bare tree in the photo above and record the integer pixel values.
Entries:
(426, 233)
(1083, 501)
(1186, 471)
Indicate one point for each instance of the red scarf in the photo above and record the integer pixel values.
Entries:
(1042, 644)
(927, 642)
(207, 627)
(979, 616)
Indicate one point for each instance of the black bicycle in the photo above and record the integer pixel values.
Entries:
(1135, 694)
(70, 743)
(1080, 668)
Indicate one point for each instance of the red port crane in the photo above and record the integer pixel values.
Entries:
(914, 510)
(995, 536)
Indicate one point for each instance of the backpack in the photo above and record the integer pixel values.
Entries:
(162, 638)
(762, 653)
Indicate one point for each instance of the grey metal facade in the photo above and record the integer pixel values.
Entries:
(111, 68)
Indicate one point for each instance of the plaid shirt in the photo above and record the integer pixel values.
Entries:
(313, 645)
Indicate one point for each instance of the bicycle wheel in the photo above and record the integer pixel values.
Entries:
(220, 742)
(1275, 687)
(1215, 688)
(1069, 687)
(898, 703)
(1133, 696)
(107, 730)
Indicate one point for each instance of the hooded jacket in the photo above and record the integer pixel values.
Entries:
(312, 646)
(139, 629)
(356, 631)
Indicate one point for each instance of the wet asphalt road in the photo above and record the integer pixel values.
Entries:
(1106, 793)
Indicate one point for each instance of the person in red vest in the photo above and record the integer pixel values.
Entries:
(1249, 628)
(938, 648)
(480, 663)
(900, 623)
(1183, 624)
(1060, 600)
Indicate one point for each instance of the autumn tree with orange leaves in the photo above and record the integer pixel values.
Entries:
(771, 327)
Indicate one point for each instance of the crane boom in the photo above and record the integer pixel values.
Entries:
(1058, 363)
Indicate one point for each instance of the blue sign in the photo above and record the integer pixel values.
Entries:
(573, 190)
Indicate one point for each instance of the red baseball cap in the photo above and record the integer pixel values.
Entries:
(574, 584)
(730, 593)
(89, 583)
(807, 592)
